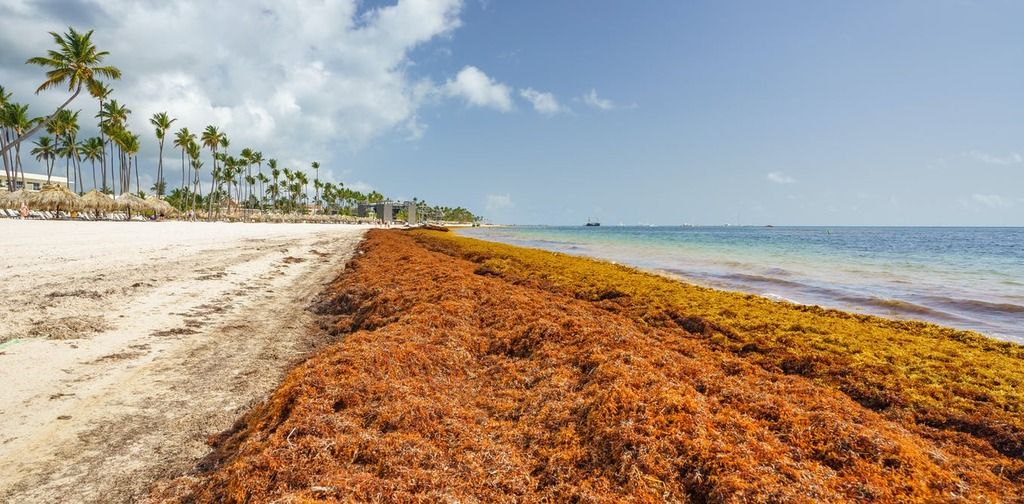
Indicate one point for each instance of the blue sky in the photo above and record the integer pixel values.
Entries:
(873, 113)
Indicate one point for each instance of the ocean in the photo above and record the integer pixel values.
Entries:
(968, 278)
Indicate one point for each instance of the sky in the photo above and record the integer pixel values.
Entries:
(538, 112)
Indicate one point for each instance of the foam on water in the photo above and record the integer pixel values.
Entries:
(970, 278)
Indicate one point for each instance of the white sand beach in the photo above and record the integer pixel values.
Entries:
(124, 346)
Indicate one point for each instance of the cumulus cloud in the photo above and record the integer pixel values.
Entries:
(592, 100)
(780, 178)
(291, 78)
(497, 202)
(479, 90)
(545, 103)
(992, 159)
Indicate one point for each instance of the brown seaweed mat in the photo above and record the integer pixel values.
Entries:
(459, 380)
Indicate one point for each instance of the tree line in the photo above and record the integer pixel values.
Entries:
(236, 180)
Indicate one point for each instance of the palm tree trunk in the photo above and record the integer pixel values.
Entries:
(17, 155)
(7, 170)
(160, 170)
(138, 185)
(182, 170)
(42, 123)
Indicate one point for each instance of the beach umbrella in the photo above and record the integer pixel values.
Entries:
(97, 201)
(129, 202)
(55, 197)
(159, 205)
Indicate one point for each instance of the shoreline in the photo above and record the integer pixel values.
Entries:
(472, 370)
(818, 276)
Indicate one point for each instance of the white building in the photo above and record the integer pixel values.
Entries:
(34, 181)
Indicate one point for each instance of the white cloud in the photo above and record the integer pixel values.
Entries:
(991, 200)
(1009, 159)
(592, 100)
(545, 103)
(499, 202)
(360, 186)
(291, 78)
(780, 178)
(479, 90)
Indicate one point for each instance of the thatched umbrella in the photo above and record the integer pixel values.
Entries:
(159, 205)
(128, 201)
(15, 199)
(55, 197)
(98, 202)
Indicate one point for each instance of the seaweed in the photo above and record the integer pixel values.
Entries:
(528, 383)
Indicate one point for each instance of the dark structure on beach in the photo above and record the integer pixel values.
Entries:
(385, 210)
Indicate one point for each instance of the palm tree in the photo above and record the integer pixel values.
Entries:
(211, 139)
(161, 122)
(195, 164)
(14, 120)
(182, 139)
(76, 63)
(263, 195)
(113, 118)
(102, 91)
(131, 148)
(257, 158)
(5, 130)
(92, 151)
(303, 181)
(316, 182)
(64, 127)
(246, 158)
(275, 173)
(45, 151)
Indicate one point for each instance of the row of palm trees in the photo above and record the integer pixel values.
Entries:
(236, 180)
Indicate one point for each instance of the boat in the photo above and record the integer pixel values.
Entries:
(591, 223)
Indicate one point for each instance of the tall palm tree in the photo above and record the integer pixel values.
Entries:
(182, 139)
(246, 159)
(45, 151)
(161, 123)
(132, 146)
(102, 91)
(64, 127)
(316, 182)
(211, 139)
(263, 195)
(195, 164)
(5, 136)
(257, 158)
(113, 118)
(275, 173)
(76, 63)
(14, 120)
(92, 151)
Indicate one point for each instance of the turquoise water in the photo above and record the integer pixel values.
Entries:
(970, 278)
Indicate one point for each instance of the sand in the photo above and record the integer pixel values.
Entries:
(124, 346)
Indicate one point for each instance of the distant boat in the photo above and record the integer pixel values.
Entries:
(591, 223)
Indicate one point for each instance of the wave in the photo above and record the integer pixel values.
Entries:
(978, 306)
(898, 306)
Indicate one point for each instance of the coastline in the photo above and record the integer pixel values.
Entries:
(901, 273)
(473, 370)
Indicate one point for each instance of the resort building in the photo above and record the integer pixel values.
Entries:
(34, 181)
(386, 210)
